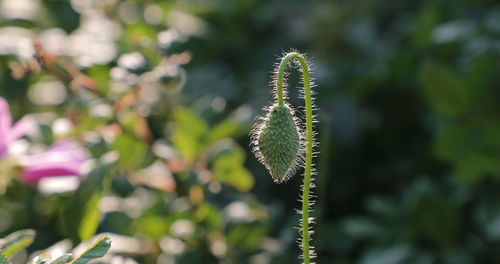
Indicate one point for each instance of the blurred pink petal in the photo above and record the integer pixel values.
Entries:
(64, 158)
(21, 128)
(34, 175)
(9, 133)
(5, 125)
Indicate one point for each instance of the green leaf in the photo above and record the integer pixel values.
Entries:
(43, 258)
(97, 250)
(445, 92)
(87, 121)
(435, 217)
(230, 157)
(92, 189)
(482, 77)
(230, 127)
(66, 258)
(228, 169)
(132, 151)
(100, 73)
(189, 121)
(237, 177)
(248, 236)
(81, 211)
(473, 150)
(427, 19)
(153, 226)
(92, 215)
(482, 74)
(17, 241)
(4, 259)
(189, 133)
(475, 167)
(209, 214)
(63, 14)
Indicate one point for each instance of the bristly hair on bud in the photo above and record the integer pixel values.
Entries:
(278, 142)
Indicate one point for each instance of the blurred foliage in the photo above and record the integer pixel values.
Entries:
(19, 240)
(163, 94)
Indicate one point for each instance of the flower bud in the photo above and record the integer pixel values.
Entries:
(278, 142)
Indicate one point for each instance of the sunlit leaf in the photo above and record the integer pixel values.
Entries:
(228, 168)
(187, 119)
(66, 258)
(154, 226)
(230, 127)
(43, 258)
(4, 259)
(100, 73)
(82, 210)
(17, 241)
(189, 132)
(229, 157)
(132, 151)
(91, 217)
(88, 121)
(209, 214)
(97, 250)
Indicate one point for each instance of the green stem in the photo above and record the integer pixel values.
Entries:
(309, 140)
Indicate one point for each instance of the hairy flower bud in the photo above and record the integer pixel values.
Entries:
(278, 142)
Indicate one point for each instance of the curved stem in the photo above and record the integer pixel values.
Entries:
(309, 141)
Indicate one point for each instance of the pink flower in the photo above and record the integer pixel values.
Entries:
(64, 158)
(9, 132)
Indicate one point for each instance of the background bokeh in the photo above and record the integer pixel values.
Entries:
(164, 93)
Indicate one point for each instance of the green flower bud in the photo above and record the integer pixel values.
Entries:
(278, 142)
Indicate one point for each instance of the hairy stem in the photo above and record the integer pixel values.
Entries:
(309, 141)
